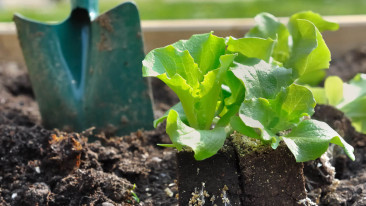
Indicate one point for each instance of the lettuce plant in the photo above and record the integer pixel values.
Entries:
(349, 97)
(300, 45)
(248, 85)
(195, 70)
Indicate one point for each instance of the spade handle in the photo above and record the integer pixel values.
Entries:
(90, 5)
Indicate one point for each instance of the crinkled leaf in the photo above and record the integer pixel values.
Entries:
(311, 139)
(204, 143)
(306, 53)
(262, 79)
(291, 105)
(282, 113)
(205, 49)
(206, 97)
(269, 26)
(309, 52)
(252, 47)
(333, 89)
(172, 62)
(197, 88)
(258, 109)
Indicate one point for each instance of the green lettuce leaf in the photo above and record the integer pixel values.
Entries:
(353, 90)
(291, 105)
(356, 109)
(262, 79)
(311, 139)
(319, 95)
(252, 47)
(309, 52)
(354, 101)
(309, 55)
(333, 86)
(179, 109)
(252, 128)
(312, 78)
(193, 73)
(283, 112)
(269, 26)
(316, 19)
(305, 52)
(205, 49)
(204, 143)
(233, 101)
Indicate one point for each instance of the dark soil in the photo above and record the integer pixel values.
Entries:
(272, 177)
(212, 181)
(349, 64)
(44, 167)
(345, 183)
(49, 167)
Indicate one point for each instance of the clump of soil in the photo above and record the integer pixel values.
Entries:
(212, 181)
(272, 177)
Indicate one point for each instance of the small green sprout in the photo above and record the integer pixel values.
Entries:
(134, 196)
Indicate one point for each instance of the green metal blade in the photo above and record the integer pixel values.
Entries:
(88, 73)
(116, 89)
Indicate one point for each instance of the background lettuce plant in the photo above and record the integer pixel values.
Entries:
(299, 45)
(247, 85)
(349, 97)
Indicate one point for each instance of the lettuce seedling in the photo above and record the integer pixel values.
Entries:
(300, 45)
(349, 97)
(247, 85)
(195, 70)
(276, 109)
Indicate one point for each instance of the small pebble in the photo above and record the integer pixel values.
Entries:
(168, 192)
(107, 204)
(156, 159)
(14, 195)
(38, 170)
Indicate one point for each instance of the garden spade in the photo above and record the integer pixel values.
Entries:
(86, 71)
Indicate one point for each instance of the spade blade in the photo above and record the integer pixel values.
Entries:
(86, 71)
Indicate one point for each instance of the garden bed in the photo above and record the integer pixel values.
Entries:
(49, 167)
